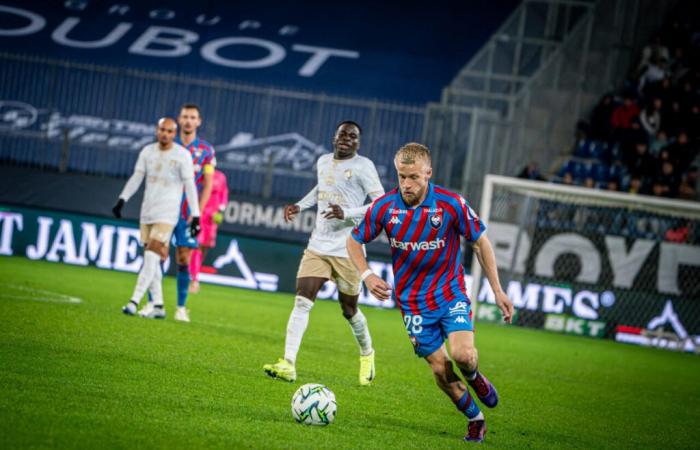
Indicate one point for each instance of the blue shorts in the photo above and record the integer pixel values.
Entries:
(428, 332)
(181, 233)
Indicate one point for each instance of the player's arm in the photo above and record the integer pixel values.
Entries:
(187, 177)
(131, 186)
(372, 186)
(207, 183)
(309, 200)
(487, 259)
(356, 213)
(366, 231)
(378, 287)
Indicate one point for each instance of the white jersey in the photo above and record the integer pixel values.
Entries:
(346, 183)
(167, 173)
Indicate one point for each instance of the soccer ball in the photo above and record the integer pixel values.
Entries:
(313, 404)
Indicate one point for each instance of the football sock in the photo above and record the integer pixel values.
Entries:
(469, 375)
(155, 290)
(358, 323)
(468, 407)
(148, 271)
(298, 320)
(183, 283)
(195, 264)
(162, 271)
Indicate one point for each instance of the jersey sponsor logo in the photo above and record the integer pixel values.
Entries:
(435, 221)
(413, 246)
(395, 220)
(460, 319)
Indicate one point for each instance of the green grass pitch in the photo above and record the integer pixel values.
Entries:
(83, 375)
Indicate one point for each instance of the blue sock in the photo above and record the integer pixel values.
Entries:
(183, 284)
(468, 406)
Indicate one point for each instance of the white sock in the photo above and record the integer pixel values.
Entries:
(358, 323)
(148, 271)
(298, 320)
(156, 288)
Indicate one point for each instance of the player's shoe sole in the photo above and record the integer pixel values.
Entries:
(282, 370)
(476, 430)
(366, 369)
(485, 390)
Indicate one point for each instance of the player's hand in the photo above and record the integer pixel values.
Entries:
(334, 212)
(117, 209)
(194, 227)
(217, 217)
(505, 305)
(378, 287)
(290, 212)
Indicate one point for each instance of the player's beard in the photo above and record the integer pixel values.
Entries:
(410, 199)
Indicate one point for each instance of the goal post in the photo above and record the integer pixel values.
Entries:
(595, 263)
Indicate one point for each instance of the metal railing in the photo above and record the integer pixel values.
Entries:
(60, 115)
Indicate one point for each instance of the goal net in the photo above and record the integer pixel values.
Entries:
(593, 263)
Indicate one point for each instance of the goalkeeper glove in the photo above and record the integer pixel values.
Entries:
(117, 210)
(194, 227)
(217, 217)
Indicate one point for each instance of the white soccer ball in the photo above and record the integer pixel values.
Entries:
(313, 404)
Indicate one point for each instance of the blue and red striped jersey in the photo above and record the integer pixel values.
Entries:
(202, 154)
(425, 246)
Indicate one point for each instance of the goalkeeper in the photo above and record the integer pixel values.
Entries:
(212, 216)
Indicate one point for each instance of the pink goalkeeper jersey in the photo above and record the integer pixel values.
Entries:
(219, 195)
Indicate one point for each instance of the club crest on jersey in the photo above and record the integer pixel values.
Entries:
(435, 221)
(348, 174)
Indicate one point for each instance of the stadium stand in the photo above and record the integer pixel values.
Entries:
(644, 138)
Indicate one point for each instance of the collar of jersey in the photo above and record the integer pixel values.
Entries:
(428, 202)
(194, 143)
(340, 161)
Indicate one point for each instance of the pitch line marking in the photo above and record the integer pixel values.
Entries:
(48, 296)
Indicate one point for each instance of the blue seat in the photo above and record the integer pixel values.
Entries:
(601, 172)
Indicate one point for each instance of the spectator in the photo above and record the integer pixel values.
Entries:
(658, 189)
(568, 178)
(692, 120)
(613, 185)
(531, 172)
(655, 72)
(658, 143)
(673, 118)
(669, 178)
(655, 50)
(650, 118)
(640, 162)
(624, 114)
(688, 189)
(681, 152)
(601, 128)
(635, 185)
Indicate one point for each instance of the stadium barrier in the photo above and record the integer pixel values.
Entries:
(83, 240)
(84, 118)
(594, 263)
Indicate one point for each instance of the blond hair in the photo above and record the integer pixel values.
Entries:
(409, 153)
